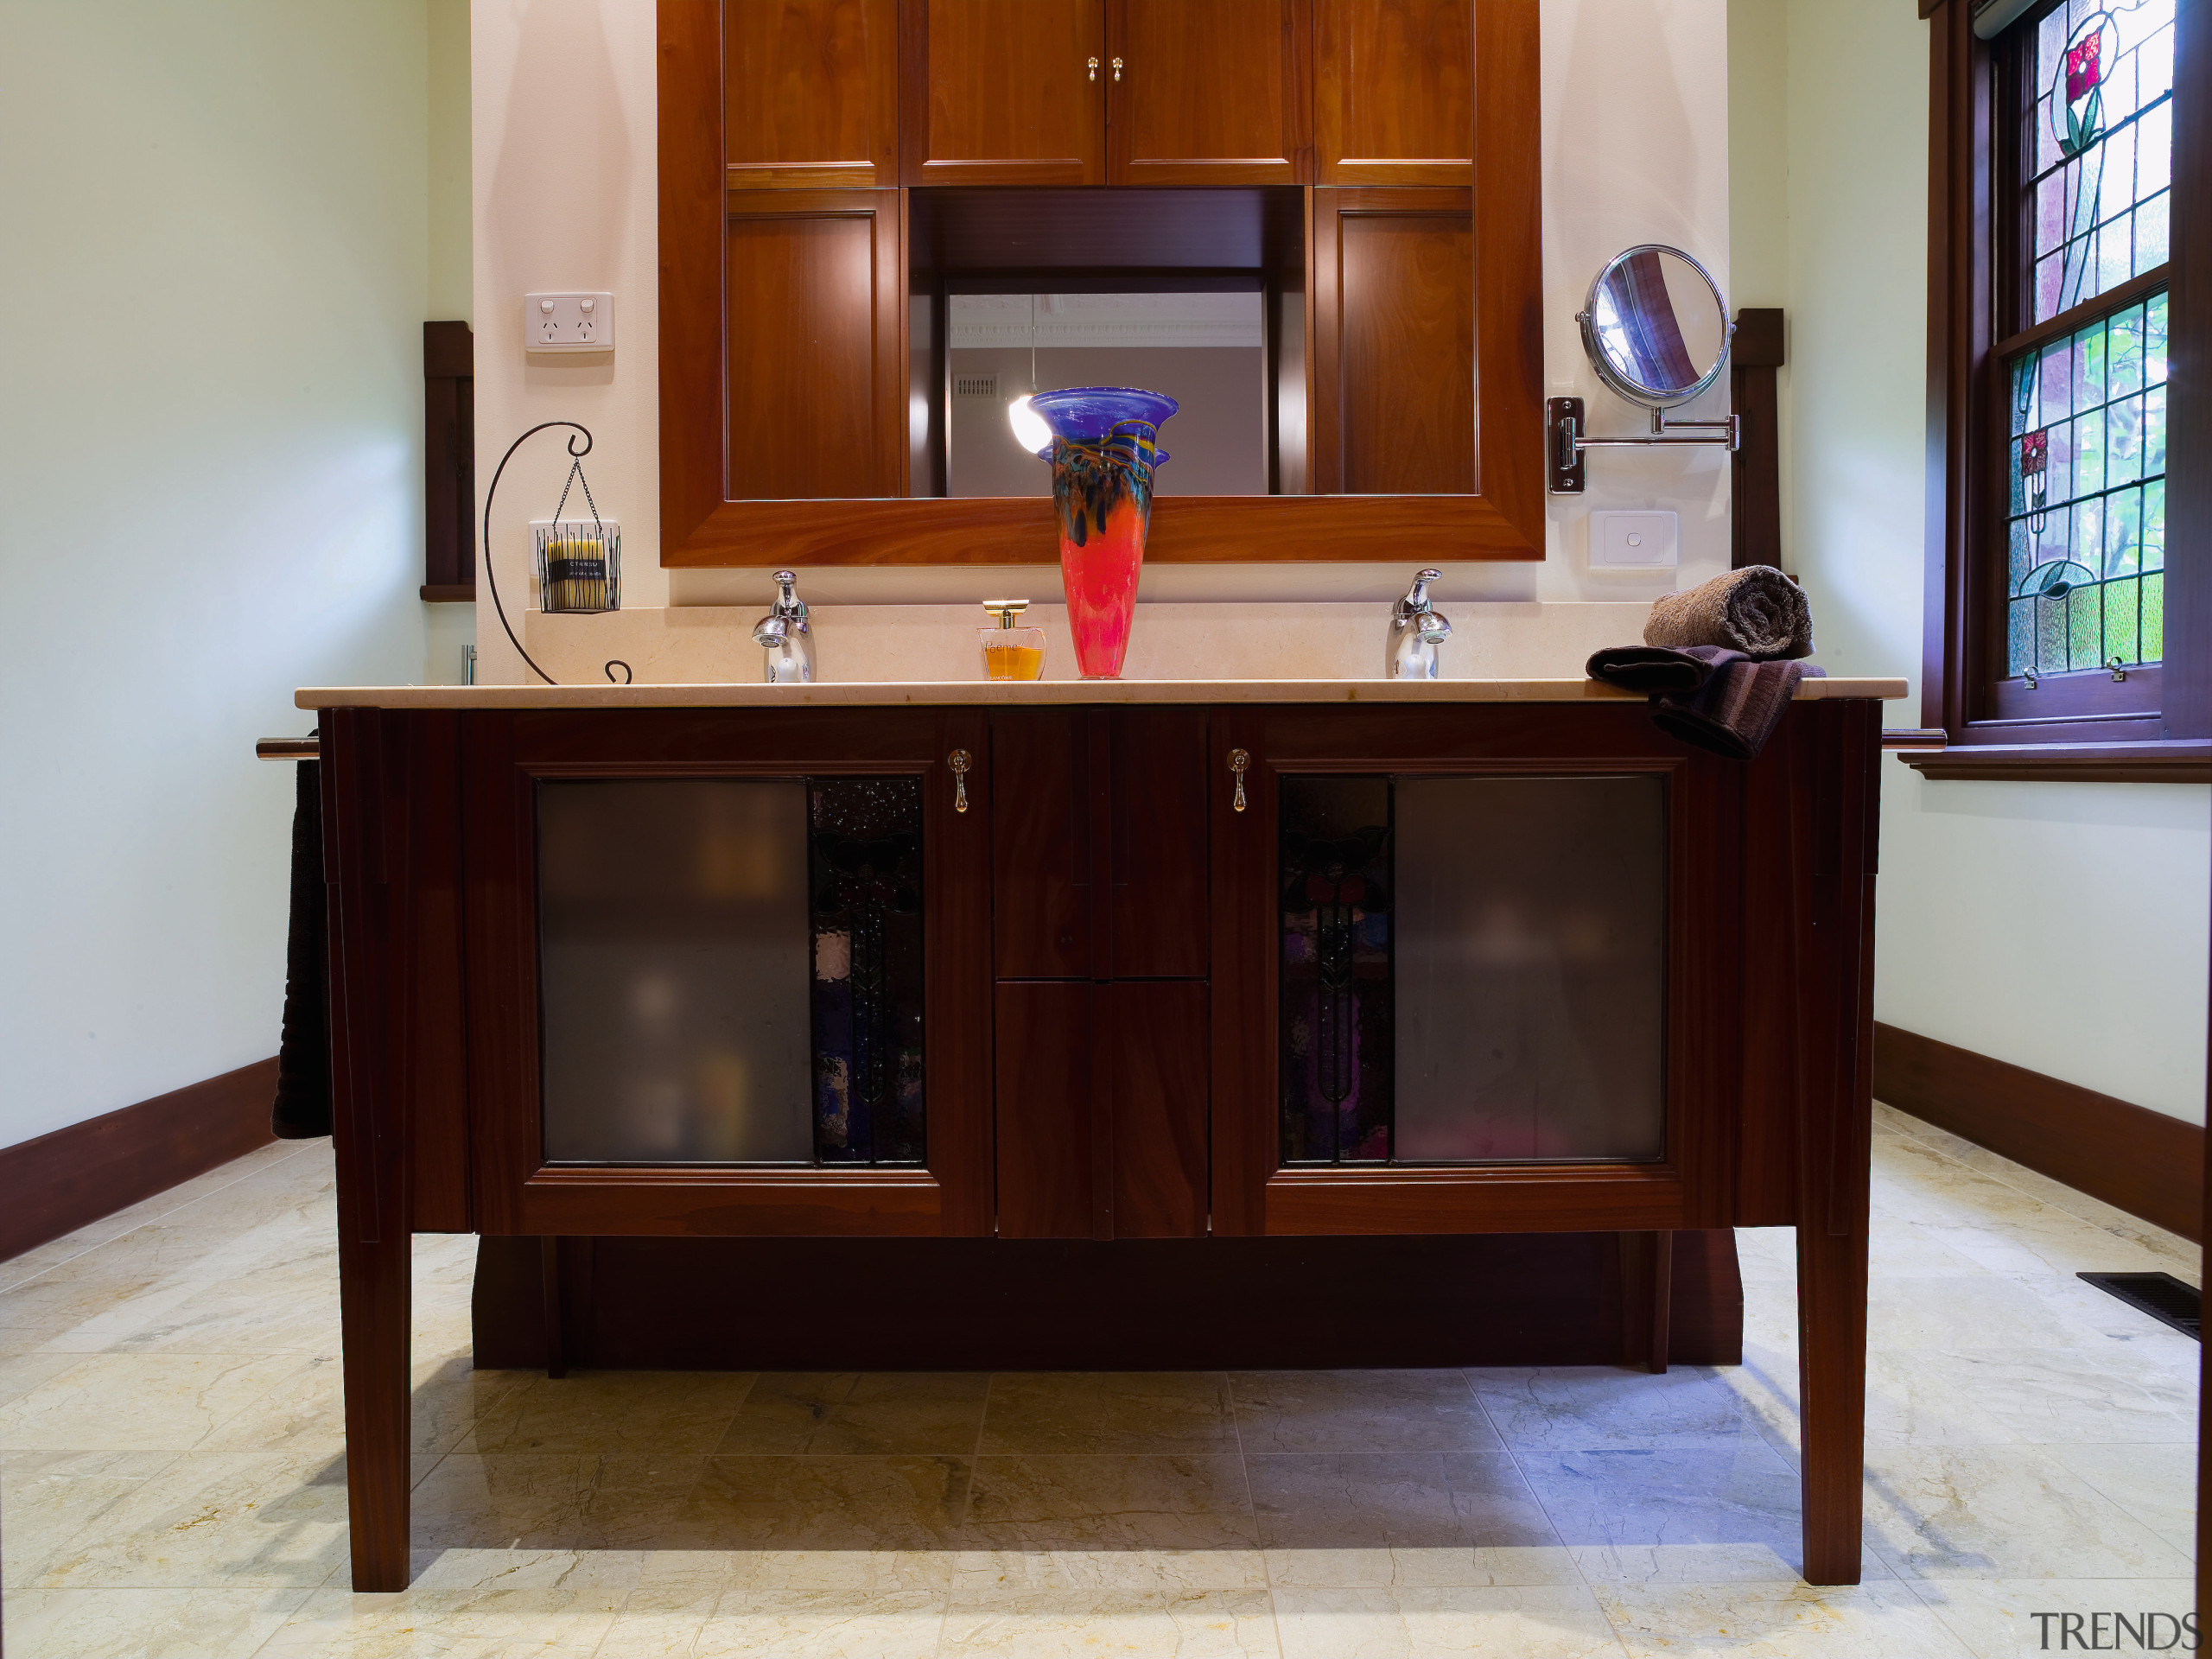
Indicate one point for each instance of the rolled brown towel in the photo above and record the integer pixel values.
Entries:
(1756, 610)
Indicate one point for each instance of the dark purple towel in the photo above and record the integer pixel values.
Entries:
(1707, 695)
(302, 1108)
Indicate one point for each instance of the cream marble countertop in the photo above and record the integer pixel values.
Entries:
(1010, 693)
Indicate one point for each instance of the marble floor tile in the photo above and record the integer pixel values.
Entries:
(307, 1412)
(2013, 1396)
(1397, 1501)
(1137, 1624)
(1883, 1620)
(1102, 1412)
(1358, 1411)
(1599, 1407)
(141, 1402)
(1949, 1315)
(2155, 1485)
(477, 1605)
(192, 1624)
(1443, 1622)
(670, 1412)
(1717, 1513)
(801, 1624)
(859, 1414)
(1036, 1524)
(571, 1501)
(2003, 1512)
(50, 1498)
(234, 1520)
(824, 1503)
(1996, 1619)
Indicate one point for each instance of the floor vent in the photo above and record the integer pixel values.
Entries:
(2161, 1295)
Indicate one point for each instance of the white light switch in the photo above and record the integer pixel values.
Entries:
(1632, 541)
(568, 322)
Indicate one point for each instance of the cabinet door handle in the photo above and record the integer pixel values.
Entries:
(960, 760)
(1240, 762)
(1117, 69)
(1092, 64)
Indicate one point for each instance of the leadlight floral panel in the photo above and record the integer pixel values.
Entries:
(865, 915)
(2087, 520)
(1339, 1030)
(2099, 144)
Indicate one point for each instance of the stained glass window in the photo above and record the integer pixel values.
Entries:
(2086, 579)
(2099, 147)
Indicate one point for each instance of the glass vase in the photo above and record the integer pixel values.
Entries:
(1105, 447)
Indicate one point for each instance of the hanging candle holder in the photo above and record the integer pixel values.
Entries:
(579, 560)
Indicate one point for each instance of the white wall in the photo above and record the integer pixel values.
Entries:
(1635, 148)
(210, 476)
(2059, 926)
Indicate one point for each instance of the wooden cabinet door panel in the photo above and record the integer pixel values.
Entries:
(1393, 91)
(1041, 840)
(1003, 91)
(817, 363)
(1046, 1073)
(1394, 342)
(811, 92)
(1158, 818)
(1215, 94)
(1155, 1051)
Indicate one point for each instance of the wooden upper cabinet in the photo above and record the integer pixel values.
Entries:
(1205, 93)
(1393, 91)
(811, 98)
(1005, 92)
(816, 383)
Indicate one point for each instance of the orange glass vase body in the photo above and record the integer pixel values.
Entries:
(1105, 445)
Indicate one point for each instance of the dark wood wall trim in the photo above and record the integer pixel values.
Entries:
(2179, 762)
(62, 1181)
(1755, 517)
(448, 462)
(2137, 1160)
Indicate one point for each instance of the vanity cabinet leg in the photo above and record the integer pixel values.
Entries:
(1832, 1395)
(376, 1290)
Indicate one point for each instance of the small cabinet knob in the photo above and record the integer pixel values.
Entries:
(961, 761)
(1092, 65)
(1240, 762)
(1117, 69)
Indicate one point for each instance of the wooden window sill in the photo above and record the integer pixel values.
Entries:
(448, 593)
(2166, 761)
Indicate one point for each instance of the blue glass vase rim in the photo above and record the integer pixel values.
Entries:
(1088, 413)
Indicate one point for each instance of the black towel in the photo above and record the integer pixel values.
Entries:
(301, 1110)
(1708, 696)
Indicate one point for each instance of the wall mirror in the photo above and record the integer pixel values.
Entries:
(1655, 329)
(1317, 224)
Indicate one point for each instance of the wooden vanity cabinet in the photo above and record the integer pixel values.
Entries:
(819, 108)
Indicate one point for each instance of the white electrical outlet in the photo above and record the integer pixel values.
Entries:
(568, 322)
(1632, 541)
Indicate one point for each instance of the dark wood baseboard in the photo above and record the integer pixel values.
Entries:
(2134, 1159)
(981, 1304)
(62, 1181)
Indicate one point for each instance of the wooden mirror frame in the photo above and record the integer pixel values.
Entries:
(1503, 519)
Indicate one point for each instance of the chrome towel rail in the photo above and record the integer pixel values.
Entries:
(288, 748)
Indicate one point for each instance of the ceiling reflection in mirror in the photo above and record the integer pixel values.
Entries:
(1206, 350)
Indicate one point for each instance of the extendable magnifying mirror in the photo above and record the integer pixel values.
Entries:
(1656, 331)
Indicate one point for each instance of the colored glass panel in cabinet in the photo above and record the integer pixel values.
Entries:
(1336, 1023)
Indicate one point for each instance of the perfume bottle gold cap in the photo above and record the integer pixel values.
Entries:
(1006, 609)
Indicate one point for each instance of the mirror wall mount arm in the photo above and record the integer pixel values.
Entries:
(1564, 443)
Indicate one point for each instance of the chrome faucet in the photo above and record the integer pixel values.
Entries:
(784, 635)
(1416, 629)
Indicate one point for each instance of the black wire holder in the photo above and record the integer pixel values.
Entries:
(491, 569)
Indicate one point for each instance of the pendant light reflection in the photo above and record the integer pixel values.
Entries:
(1029, 428)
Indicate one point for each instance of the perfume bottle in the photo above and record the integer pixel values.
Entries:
(1011, 652)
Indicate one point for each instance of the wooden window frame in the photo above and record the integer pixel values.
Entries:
(1505, 520)
(2158, 724)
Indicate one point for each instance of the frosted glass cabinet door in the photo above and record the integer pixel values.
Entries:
(730, 970)
(1472, 970)
(1531, 968)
